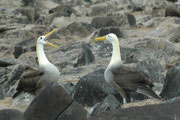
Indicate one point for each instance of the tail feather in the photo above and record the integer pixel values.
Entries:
(16, 94)
(147, 91)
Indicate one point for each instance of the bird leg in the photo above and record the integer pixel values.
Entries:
(132, 101)
(124, 103)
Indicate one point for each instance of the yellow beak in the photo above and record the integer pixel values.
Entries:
(100, 39)
(50, 33)
(47, 35)
(47, 43)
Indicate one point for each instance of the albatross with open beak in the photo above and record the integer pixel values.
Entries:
(47, 72)
(125, 79)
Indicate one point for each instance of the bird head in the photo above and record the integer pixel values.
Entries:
(43, 39)
(111, 37)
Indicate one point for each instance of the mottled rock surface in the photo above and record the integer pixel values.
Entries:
(109, 103)
(54, 103)
(167, 111)
(171, 86)
(11, 114)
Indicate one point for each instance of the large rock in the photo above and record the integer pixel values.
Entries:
(99, 22)
(4, 62)
(9, 76)
(80, 29)
(123, 19)
(171, 86)
(172, 11)
(86, 57)
(153, 69)
(74, 54)
(107, 104)
(160, 45)
(92, 89)
(54, 103)
(106, 30)
(167, 111)
(11, 114)
(18, 50)
(62, 10)
(30, 13)
(99, 9)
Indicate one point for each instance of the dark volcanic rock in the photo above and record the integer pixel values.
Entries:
(18, 50)
(8, 77)
(168, 111)
(80, 29)
(106, 30)
(11, 114)
(86, 57)
(4, 62)
(153, 69)
(124, 19)
(53, 103)
(99, 22)
(30, 13)
(171, 86)
(170, 11)
(108, 104)
(62, 10)
(92, 89)
(131, 19)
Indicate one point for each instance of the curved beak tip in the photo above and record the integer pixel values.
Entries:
(50, 33)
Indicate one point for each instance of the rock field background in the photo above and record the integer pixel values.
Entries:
(148, 31)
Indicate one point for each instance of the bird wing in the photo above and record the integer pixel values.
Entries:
(133, 79)
(28, 82)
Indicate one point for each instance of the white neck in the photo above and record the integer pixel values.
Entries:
(42, 59)
(116, 55)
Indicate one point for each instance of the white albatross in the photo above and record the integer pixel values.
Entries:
(47, 72)
(125, 79)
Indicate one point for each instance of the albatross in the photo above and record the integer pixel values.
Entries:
(47, 72)
(125, 79)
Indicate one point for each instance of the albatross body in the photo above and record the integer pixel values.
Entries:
(125, 79)
(47, 72)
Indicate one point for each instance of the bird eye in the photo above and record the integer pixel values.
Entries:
(40, 37)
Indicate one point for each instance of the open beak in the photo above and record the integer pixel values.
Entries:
(50, 33)
(100, 39)
(47, 35)
(47, 43)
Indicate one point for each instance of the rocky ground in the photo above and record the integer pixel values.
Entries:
(149, 35)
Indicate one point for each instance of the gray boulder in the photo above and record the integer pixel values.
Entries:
(171, 86)
(92, 89)
(99, 22)
(109, 103)
(106, 30)
(166, 111)
(9, 76)
(80, 29)
(11, 114)
(53, 103)
(62, 10)
(86, 57)
(153, 69)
